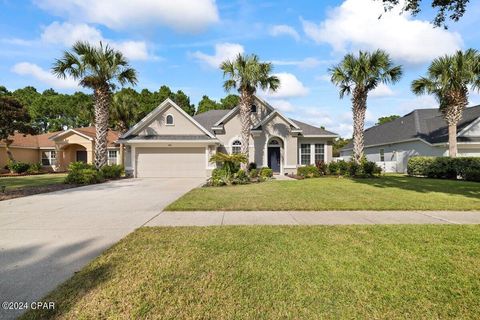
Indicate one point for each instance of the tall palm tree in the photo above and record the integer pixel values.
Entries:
(449, 79)
(357, 76)
(98, 68)
(247, 74)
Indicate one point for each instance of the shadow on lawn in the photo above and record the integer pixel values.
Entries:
(425, 185)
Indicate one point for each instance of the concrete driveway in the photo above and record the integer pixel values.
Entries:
(45, 238)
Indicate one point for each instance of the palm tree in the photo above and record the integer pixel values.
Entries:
(358, 75)
(125, 107)
(98, 68)
(229, 161)
(449, 79)
(246, 74)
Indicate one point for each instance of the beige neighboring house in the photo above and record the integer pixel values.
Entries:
(170, 143)
(56, 150)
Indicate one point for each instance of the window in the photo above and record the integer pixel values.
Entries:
(274, 143)
(382, 154)
(304, 154)
(253, 108)
(169, 120)
(48, 158)
(112, 156)
(319, 152)
(236, 147)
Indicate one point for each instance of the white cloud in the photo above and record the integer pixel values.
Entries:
(282, 29)
(323, 77)
(356, 25)
(381, 91)
(282, 105)
(305, 63)
(180, 15)
(68, 33)
(420, 102)
(30, 69)
(290, 87)
(223, 51)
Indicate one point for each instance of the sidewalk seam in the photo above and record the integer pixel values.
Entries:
(438, 218)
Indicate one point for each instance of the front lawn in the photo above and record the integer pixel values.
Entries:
(331, 193)
(39, 180)
(341, 272)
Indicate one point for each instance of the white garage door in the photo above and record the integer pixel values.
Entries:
(170, 162)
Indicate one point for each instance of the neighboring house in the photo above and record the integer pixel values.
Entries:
(55, 150)
(421, 132)
(170, 143)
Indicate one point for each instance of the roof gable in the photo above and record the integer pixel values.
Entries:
(158, 111)
(273, 115)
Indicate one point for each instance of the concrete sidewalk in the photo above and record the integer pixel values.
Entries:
(220, 218)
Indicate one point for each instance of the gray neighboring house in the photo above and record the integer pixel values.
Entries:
(170, 143)
(422, 132)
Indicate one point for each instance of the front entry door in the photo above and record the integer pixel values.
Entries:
(82, 156)
(274, 159)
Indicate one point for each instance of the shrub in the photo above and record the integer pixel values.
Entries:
(354, 169)
(18, 167)
(80, 165)
(83, 173)
(220, 177)
(253, 173)
(265, 173)
(342, 167)
(241, 177)
(252, 166)
(370, 168)
(322, 167)
(84, 176)
(309, 171)
(34, 168)
(332, 168)
(113, 171)
(444, 167)
(471, 174)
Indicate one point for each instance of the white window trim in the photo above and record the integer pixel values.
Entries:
(116, 156)
(173, 120)
(324, 152)
(312, 155)
(51, 159)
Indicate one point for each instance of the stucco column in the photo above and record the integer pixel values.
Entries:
(122, 155)
(58, 159)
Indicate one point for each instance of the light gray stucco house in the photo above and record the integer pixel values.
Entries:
(422, 132)
(170, 143)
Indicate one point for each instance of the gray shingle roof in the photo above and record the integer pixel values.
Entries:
(309, 130)
(209, 118)
(426, 124)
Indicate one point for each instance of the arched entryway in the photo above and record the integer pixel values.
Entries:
(274, 154)
(72, 153)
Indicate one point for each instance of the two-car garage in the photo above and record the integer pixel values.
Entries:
(168, 162)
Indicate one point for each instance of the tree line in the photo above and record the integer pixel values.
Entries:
(50, 111)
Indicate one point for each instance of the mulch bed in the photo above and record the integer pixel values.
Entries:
(23, 192)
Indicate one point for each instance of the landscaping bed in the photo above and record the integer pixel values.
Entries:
(28, 191)
(389, 192)
(318, 272)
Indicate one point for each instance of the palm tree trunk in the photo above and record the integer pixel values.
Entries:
(102, 103)
(246, 121)
(359, 109)
(452, 140)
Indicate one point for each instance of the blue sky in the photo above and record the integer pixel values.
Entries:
(180, 43)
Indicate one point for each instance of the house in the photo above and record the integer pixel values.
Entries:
(170, 143)
(422, 132)
(55, 150)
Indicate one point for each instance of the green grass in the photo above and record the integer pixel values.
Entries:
(347, 272)
(31, 181)
(331, 193)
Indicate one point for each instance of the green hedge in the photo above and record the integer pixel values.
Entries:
(84, 173)
(18, 167)
(309, 171)
(467, 168)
